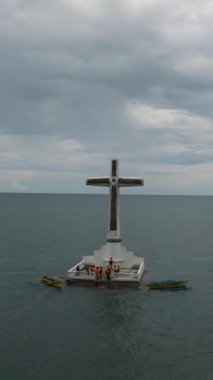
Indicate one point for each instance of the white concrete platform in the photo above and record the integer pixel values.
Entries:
(127, 273)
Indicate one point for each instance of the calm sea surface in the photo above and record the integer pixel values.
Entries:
(91, 333)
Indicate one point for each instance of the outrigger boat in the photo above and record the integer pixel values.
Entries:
(170, 284)
(50, 281)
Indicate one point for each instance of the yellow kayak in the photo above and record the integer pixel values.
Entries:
(50, 281)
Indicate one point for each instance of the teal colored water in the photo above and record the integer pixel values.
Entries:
(88, 333)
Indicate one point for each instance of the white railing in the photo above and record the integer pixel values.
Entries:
(121, 276)
(81, 275)
(81, 266)
(141, 269)
(84, 274)
(125, 276)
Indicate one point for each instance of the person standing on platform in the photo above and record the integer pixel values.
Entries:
(77, 270)
(92, 269)
(107, 271)
(100, 273)
(97, 273)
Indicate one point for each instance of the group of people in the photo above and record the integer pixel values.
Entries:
(98, 271)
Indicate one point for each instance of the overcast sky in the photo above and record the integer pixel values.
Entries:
(85, 81)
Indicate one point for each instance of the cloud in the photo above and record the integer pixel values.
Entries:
(86, 81)
(151, 117)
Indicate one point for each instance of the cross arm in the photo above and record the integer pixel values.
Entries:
(130, 182)
(104, 181)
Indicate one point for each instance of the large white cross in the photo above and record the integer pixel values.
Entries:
(114, 182)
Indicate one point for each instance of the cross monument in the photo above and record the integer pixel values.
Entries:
(114, 182)
(121, 265)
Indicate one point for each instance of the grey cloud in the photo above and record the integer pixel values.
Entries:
(70, 71)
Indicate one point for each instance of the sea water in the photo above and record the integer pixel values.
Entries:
(90, 333)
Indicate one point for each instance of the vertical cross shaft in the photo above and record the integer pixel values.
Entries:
(114, 182)
(114, 217)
